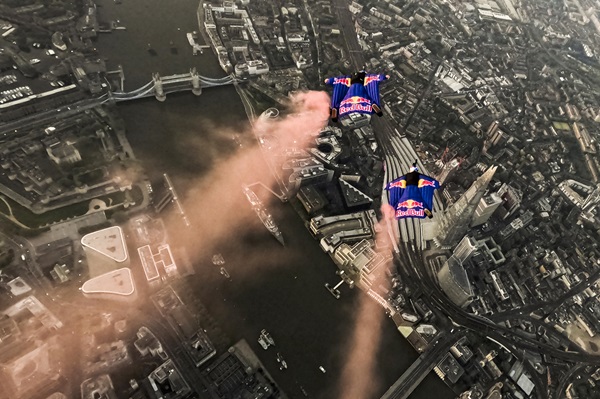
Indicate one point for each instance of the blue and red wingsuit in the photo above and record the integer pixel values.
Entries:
(411, 195)
(357, 93)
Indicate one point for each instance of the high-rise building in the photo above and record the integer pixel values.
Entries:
(498, 137)
(494, 136)
(360, 261)
(511, 200)
(487, 206)
(455, 283)
(309, 175)
(518, 223)
(465, 248)
(492, 128)
(447, 170)
(455, 221)
(491, 251)
(592, 200)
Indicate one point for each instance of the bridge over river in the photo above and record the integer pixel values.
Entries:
(160, 86)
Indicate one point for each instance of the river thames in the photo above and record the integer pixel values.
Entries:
(273, 287)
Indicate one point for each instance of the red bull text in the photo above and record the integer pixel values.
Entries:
(355, 104)
(412, 208)
(410, 213)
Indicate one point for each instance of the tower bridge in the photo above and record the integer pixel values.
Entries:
(160, 86)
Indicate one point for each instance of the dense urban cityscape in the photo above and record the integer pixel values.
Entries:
(181, 218)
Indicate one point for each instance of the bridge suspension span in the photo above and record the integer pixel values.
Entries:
(160, 86)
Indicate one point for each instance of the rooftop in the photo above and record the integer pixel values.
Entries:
(108, 242)
(116, 282)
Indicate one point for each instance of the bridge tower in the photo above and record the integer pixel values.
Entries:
(159, 93)
(196, 86)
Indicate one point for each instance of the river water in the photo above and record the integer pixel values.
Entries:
(285, 292)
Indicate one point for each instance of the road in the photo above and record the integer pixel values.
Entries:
(172, 345)
(564, 381)
(434, 297)
(416, 270)
(353, 48)
(51, 115)
(404, 386)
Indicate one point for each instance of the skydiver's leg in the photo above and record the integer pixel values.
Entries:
(373, 90)
(339, 92)
(377, 110)
(333, 113)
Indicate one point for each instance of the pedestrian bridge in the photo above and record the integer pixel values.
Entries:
(160, 86)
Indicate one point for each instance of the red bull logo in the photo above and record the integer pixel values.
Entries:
(341, 81)
(426, 183)
(410, 208)
(371, 78)
(409, 204)
(354, 100)
(397, 184)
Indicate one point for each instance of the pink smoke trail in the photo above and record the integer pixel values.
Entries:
(359, 378)
(215, 204)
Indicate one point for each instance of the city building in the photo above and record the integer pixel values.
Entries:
(454, 281)
(511, 200)
(238, 373)
(309, 175)
(359, 261)
(492, 251)
(487, 205)
(455, 220)
(496, 138)
(592, 200)
(166, 381)
(353, 197)
(449, 369)
(447, 170)
(197, 344)
(465, 248)
(335, 230)
(517, 224)
(98, 387)
(328, 149)
(311, 199)
(105, 250)
(158, 264)
(461, 351)
(252, 68)
(113, 285)
(147, 343)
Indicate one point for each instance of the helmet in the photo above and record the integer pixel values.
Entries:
(358, 77)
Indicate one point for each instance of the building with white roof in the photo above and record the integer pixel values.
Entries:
(106, 250)
(116, 285)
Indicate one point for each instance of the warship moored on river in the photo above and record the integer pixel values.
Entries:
(263, 215)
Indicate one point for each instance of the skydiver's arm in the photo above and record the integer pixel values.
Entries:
(329, 81)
